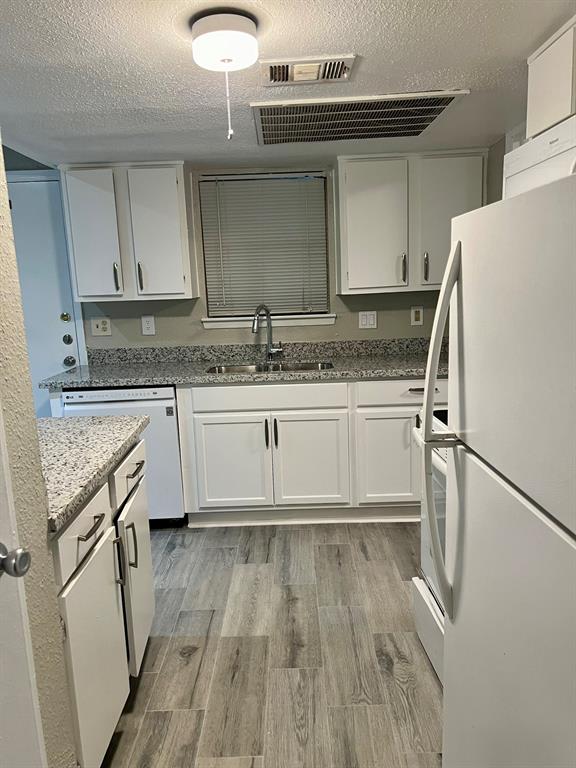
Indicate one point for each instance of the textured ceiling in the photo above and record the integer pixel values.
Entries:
(84, 80)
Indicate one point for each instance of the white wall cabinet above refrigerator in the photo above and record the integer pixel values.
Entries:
(395, 215)
(128, 233)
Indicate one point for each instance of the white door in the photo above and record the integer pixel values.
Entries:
(156, 230)
(375, 223)
(387, 461)
(93, 226)
(233, 457)
(21, 738)
(95, 650)
(509, 660)
(311, 464)
(41, 252)
(139, 588)
(448, 187)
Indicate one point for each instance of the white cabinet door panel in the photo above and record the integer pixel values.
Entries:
(375, 222)
(95, 650)
(233, 459)
(139, 588)
(156, 230)
(93, 228)
(311, 457)
(386, 460)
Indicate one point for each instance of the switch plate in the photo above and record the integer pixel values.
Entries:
(416, 315)
(148, 325)
(367, 320)
(100, 326)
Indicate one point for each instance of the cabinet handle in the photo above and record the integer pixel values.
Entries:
(122, 560)
(266, 433)
(404, 267)
(426, 266)
(139, 465)
(97, 523)
(276, 433)
(132, 527)
(420, 390)
(140, 276)
(116, 272)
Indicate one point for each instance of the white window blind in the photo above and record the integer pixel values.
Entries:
(265, 241)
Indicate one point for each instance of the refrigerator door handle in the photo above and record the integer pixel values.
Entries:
(448, 283)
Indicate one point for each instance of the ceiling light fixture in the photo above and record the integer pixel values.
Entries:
(224, 42)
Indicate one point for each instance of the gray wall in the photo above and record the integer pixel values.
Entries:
(495, 171)
(31, 503)
(14, 161)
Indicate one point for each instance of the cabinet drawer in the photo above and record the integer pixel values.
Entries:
(271, 397)
(127, 474)
(72, 546)
(398, 392)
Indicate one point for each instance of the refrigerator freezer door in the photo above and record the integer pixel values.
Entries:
(512, 382)
(509, 660)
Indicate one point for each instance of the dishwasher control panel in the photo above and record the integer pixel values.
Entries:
(109, 395)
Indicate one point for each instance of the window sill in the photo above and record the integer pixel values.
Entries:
(278, 321)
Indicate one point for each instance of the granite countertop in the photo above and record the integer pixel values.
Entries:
(130, 374)
(78, 454)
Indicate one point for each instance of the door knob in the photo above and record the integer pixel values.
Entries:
(15, 562)
(69, 361)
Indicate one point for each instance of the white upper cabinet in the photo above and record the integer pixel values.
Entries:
(395, 215)
(128, 233)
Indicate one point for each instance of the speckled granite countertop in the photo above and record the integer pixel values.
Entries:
(77, 456)
(193, 373)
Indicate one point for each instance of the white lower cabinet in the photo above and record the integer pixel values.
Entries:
(95, 650)
(387, 464)
(311, 464)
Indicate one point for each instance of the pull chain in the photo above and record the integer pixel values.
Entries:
(230, 130)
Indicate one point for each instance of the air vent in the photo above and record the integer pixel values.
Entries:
(324, 69)
(374, 117)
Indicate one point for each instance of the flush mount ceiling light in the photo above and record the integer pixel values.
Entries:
(224, 42)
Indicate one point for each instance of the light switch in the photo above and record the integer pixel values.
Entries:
(148, 325)
(367, 320)
(416, 315)
(100, 326)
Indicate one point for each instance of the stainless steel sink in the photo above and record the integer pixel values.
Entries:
(277, 367)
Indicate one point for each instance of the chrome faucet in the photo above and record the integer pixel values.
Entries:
(272, 350)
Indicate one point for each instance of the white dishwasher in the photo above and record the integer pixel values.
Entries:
(164, 473)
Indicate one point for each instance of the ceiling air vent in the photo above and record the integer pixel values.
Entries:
(364, 117)
(324, 69)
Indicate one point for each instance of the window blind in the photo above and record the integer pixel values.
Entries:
(265, 241)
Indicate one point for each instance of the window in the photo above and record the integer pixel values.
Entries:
(264, 240)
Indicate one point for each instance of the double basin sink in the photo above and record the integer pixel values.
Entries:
(273, 367)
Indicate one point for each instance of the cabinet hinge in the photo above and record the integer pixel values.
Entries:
(63, 628)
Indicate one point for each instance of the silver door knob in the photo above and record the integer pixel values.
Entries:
(15, 562)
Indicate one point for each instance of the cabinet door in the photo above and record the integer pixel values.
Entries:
(139, 604)
(156, 230)
(311, 464)
(233, 458)
(449, 186)
(387, 462)
(93, 228)
(95, 651)
(374, 221)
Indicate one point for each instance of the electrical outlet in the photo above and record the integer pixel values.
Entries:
(367, 320)
(100, 326)
(416, 315)
(148, 325)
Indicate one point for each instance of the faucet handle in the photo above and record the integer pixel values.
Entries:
(276, 349)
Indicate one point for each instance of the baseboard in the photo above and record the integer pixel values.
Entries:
(403, 514)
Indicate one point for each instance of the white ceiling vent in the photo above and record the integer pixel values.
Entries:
(367, 117)
(324, 69)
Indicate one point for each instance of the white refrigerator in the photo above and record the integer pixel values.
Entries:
(508, 575)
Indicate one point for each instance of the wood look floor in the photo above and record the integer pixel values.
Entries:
(283, 647)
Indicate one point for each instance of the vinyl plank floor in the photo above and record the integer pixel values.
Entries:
(168, 603)
(297, 732)
(420, 760)
(330, 533)
(222, 537)
(362, 738)
(294, 557)
(184, 678)
(168, 740)
(351, 669)
(412, 692)
(124, 737)
(388, 599)
(257, 544)
(369, 541)
(230, 762)
(404, 543)
(295, 634)
(248, 610)
(158, 541)
(234, 724)
(178, 557)
(336, 578)
(209, 579)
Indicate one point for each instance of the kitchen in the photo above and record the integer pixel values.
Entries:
(272, 505)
